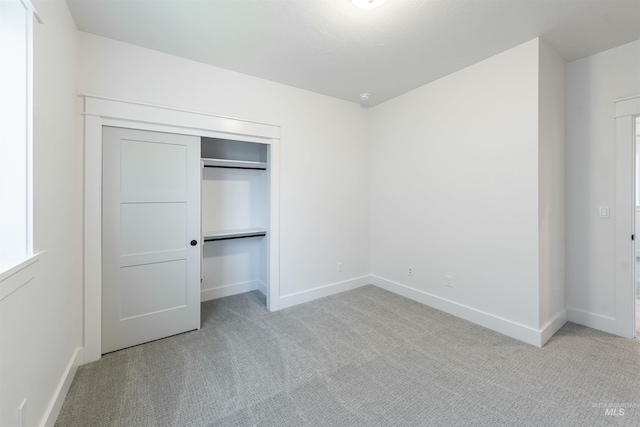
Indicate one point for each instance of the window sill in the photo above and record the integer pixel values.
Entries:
(17, 273)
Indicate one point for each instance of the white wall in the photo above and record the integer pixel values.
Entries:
(324, 197)
(455, 191)
(41, 322)
(551, 133)
(593, 84)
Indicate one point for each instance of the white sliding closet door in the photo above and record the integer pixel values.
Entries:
(151, 236)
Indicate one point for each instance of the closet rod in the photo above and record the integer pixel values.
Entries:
(235, 167)
(233, 237)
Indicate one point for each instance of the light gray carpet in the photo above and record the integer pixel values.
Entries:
(361, 358)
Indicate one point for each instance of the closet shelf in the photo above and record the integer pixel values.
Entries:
(242, 233)
(234, 164)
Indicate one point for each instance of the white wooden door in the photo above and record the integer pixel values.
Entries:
(151, 236)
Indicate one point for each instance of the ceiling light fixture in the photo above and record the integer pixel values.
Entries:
(367, 4)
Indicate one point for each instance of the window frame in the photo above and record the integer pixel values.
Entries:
(18, 254)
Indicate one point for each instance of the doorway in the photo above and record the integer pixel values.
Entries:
(627, 112)
(636, 147)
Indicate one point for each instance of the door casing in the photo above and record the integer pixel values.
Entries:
(626, 111)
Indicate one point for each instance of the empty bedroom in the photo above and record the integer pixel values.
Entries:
(319, 212)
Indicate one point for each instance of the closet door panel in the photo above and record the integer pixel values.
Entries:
(148, 166)
(140, 224)
(151, 213)
(140, 281)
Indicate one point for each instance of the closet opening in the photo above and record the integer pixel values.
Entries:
(636, 148)
(231, 264)
(235, 196)
(623, 324)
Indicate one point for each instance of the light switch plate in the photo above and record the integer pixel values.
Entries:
(604, 212)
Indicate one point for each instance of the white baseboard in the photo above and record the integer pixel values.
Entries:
(228, 290)
(263, 288)
(322, 291)
(552, 326)
(592, 320)
(506, 327)
(51, 415)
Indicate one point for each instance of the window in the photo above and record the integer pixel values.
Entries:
(16, 29)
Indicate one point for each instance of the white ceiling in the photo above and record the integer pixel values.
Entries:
(332, 47)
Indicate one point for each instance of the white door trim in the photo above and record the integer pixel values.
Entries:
(626, 110)
(100, 111)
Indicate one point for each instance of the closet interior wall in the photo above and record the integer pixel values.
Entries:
(235, 199)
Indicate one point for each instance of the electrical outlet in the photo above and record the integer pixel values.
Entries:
(410, 270)
(22, 414)
(339, 267)
(604, 212)
(449, 281)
